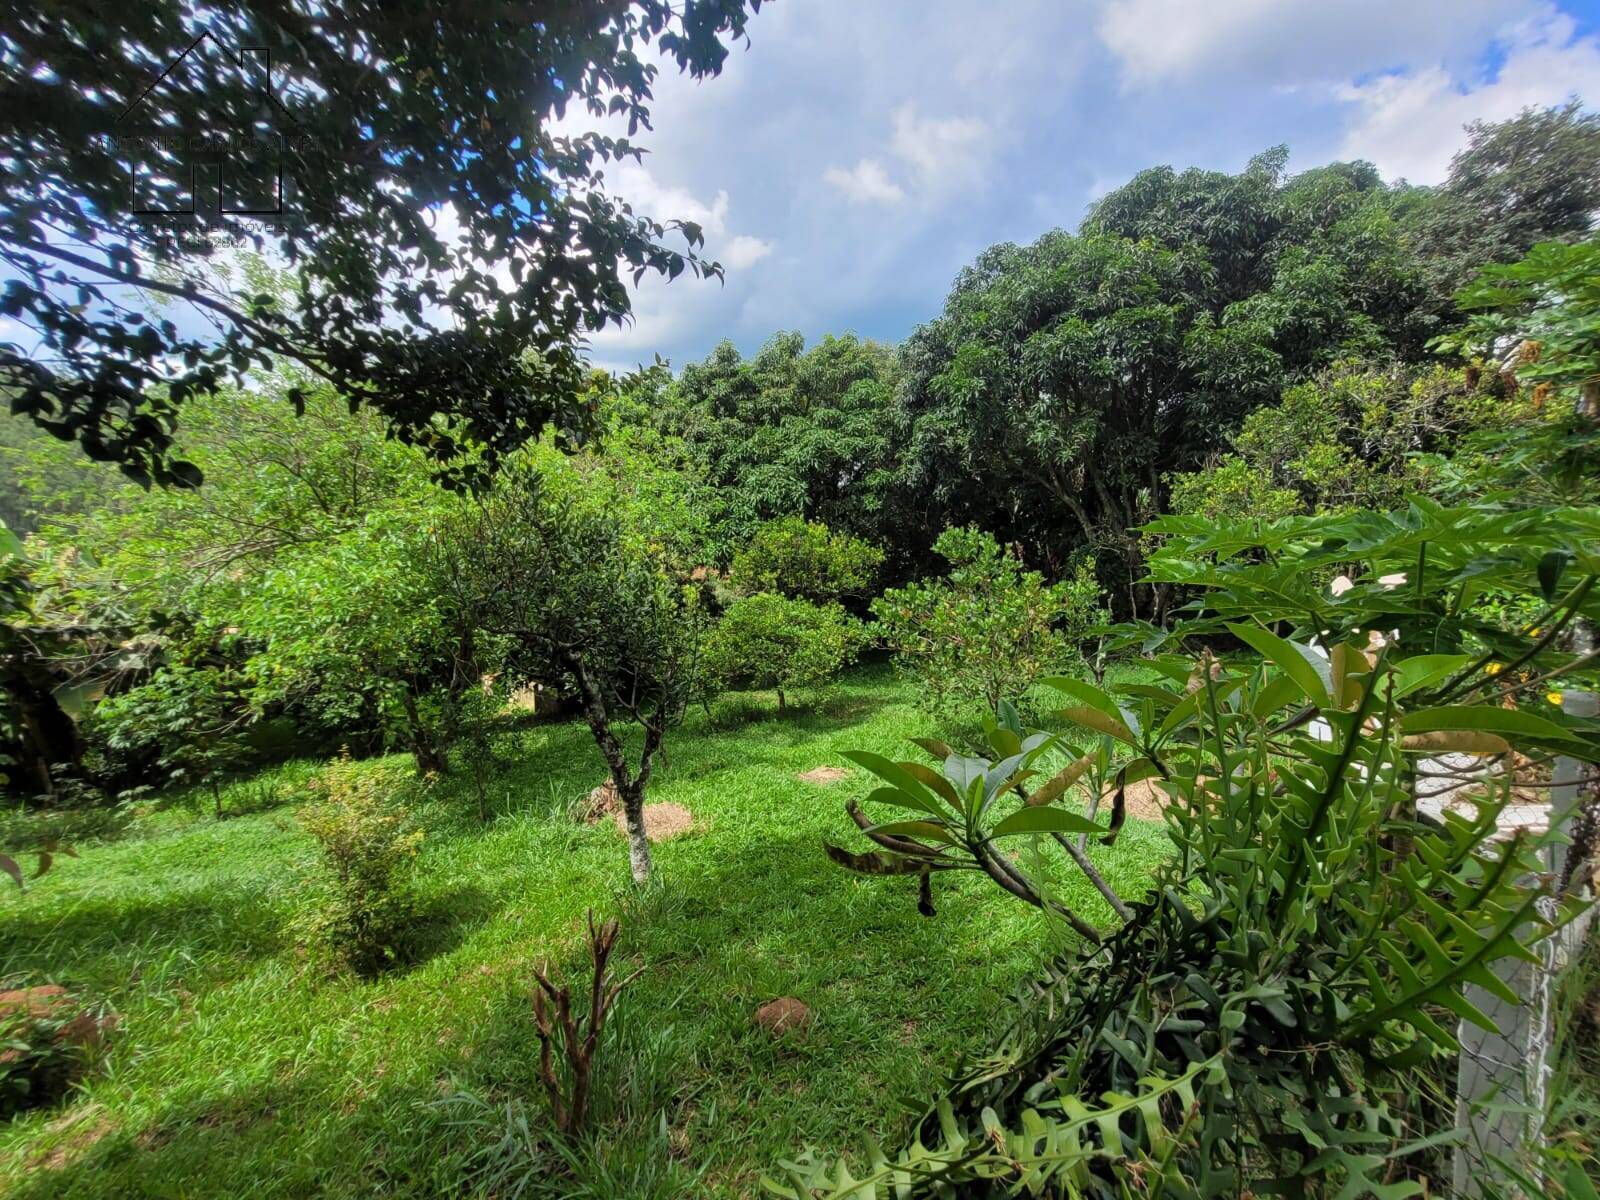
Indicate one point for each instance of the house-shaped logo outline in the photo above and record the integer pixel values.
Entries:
(263, 55)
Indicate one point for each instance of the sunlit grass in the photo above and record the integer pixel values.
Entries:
(243, 1070)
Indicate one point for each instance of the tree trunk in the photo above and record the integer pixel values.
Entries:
(780, 699)
(638, 843)
(428, 756)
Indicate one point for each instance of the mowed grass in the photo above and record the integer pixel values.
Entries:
(244, 1069)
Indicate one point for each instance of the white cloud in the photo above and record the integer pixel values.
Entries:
(865, 183)
(744, 250)
(667, 202)
(1292, 42)
(1409, 123)
(938, 150)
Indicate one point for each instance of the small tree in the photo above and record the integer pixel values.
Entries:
(769, 641)
(585, 606)
(991, 628)
(368, 843)
(806, 560)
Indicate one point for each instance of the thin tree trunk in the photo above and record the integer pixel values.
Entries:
(638, 842)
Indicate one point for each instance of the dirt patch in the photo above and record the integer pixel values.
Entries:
(83, 1129)
(1145, 801)
(662, 822)
(823, 775)
(783, 1014)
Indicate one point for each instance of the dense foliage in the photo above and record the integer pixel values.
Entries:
(368, 841)
(991, 627)
(359, 185)
(1189, 1045)
(806, 560)
(772, 641)
(587, 604)
(1348, 526)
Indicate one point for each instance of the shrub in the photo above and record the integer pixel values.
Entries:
(805, 559)
(991, 628)
(191, 721)
(368, 844)
(769, 641)
(47, 1038)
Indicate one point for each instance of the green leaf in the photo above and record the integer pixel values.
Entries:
(889, 795)
(1044, 820)
(931, 830)
(1094, 719)
(1578, 1185)
(1414, 674)
(1296, 661)
(1550, 568)
(1485, 718)
(1085, 693)
(892, 773)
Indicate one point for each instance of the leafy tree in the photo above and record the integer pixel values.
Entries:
(1065, 380)
(293, 569)
(190, 720)
(772, 641)
(790, 432)
(1536, 323)
(805, 559)
(1530, 179)
(992, 627)
(388, 126)
(1349, 438)
(587, 604)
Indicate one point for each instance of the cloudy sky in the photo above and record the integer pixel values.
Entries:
(858, 153)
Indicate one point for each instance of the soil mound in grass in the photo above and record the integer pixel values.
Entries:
(783, 1014)
(662, 822)
(823, 775)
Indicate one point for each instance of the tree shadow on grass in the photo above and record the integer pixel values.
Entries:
(100, 938)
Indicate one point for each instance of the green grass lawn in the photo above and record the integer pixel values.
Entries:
(243, 1069)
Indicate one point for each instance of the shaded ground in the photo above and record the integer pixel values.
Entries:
(242, 1071)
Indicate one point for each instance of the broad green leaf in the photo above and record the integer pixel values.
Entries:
(934, 781)
(1086, 694)
(1293, 659)
(889, 795)
(892, 773)
(1485, 718)
(1044, 820)
(1094, 719)
(1414, 674)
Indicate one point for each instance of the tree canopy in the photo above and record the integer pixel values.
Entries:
(450, 243)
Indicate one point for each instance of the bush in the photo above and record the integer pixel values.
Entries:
(990, 629)
(368, 844)
(806, 560)
(46, 1040)
(768, 641)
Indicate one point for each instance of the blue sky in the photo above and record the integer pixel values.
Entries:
(859, 152)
